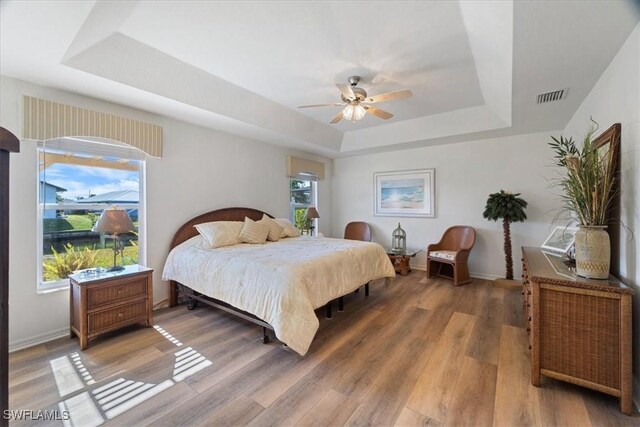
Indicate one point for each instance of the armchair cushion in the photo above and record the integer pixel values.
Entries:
(448, 255)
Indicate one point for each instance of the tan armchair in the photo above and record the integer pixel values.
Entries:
(358, 230)
(448, 258)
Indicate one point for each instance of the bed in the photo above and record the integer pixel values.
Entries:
(277, 285)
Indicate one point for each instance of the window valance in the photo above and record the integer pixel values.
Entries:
(304, 168)
(43, 120)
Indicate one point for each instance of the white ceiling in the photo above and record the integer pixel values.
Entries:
(475, 68)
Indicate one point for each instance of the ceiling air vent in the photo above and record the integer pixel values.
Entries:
(556, 95)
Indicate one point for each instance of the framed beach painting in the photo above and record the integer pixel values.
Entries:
(409, 193)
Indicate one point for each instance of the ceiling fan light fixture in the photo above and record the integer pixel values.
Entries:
(352, 98)
(354, 112)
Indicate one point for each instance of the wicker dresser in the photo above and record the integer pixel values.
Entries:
(579, 329)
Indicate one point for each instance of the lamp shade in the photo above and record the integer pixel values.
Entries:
(113, 221)
(353, 112)
(312, 213)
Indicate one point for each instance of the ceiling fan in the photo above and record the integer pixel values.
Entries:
(356, 102)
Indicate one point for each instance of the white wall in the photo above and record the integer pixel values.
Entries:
(466, 173)
(201, 170)
(616, 99)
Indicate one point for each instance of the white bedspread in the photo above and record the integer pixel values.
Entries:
(279, 282)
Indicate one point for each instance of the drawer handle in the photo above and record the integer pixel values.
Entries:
(529, 318)
(528, 329)
(119, 291)
(120, 315)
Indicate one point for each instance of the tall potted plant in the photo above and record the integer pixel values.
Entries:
(509, 208)
(587, 178)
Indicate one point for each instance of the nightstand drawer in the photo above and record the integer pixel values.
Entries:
(107, 318)
(120, 291)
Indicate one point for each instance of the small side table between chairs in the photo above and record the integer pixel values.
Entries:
(400, 259)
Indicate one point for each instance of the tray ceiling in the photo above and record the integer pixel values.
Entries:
(475, 68)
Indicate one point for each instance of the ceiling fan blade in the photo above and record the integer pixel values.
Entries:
(390, 96)
(320, 105)
(378, 112)
(346, 90)
(337, 118)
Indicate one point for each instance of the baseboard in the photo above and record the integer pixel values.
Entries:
(636, 392)
(38, 339)
(485, 276)
(422, 267)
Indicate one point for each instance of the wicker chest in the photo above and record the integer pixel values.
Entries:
(579, 329)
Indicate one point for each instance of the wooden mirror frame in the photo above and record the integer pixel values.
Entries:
(611, 137)
(9, 143)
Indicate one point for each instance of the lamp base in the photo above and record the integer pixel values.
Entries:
(115, 268)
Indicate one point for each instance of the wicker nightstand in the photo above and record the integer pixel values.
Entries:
(109, 301)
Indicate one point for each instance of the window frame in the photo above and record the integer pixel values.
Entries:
(314, 198)
(43, 287)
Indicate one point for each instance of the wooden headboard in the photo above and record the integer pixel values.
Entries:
(187, 230)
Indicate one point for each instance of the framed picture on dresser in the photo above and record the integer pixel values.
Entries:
(560, 240)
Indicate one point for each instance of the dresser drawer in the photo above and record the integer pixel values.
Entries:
(118, 291)
(115, 316)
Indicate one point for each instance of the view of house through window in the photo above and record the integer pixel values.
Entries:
(303, 195)
(74, 190)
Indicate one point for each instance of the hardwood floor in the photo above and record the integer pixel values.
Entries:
(418, 353)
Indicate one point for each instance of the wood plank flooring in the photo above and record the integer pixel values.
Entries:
(420, 352)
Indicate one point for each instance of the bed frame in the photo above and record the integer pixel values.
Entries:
(187, 231)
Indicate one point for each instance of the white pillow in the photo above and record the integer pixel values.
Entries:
(275, 229)
(220, 233)
(253, 232)
(289, 230)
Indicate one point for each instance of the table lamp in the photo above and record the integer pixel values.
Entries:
(114, 222)
(312, 213)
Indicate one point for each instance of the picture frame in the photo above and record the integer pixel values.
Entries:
(407, 193)
(560, 240)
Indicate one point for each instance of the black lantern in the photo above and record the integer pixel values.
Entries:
(399, 239)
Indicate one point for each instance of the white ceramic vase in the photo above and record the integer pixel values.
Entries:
(593, 252)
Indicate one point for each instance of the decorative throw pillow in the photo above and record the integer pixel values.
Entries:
(220, 233)
(253, 232)
(275, 229)
(289, 230)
